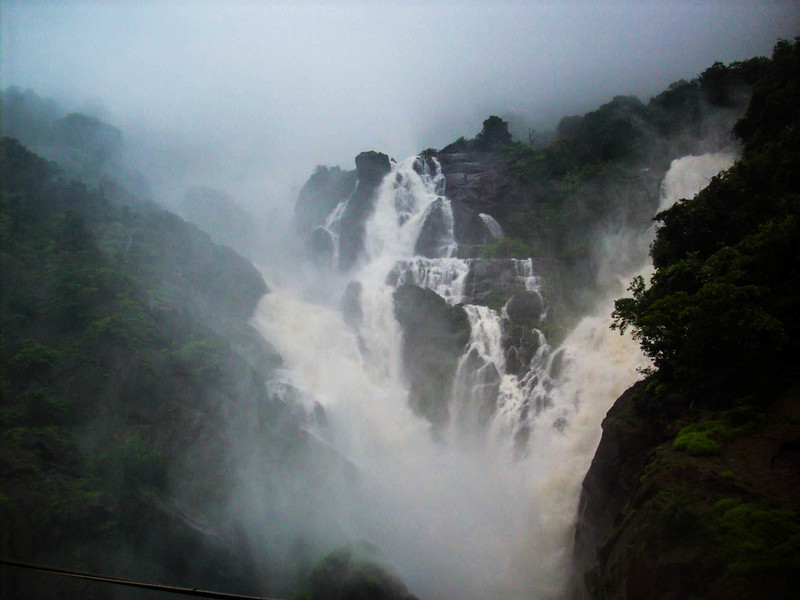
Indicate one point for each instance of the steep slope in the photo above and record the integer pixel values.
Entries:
(693, 491)
(127, 359)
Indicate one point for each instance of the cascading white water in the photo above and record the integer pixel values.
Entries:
(689, 174)
(332, 225)
(479, 372)
(458, 521)
(445, 276)
(492, 225)
(526, 273)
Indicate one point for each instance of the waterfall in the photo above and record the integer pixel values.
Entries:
(445, 276)
(492, 225)
(689, 174)
(525, 271)
(487, 510)
(332, 226)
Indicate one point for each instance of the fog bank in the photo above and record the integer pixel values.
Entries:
(249, 97)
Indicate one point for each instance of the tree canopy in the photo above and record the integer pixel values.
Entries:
(723, 307)
(494, 133)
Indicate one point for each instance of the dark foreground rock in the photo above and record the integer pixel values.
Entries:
(703, 506)
(357, 571)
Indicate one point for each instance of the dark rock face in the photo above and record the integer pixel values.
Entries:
(659, 522)
(372, 167)
(491, 282)
(323, 191)
(525, 308)
(470, 231)
(434, 337)
(354, 572)
(479, 182)
(434, 238)
(613, 476)
(323, 246)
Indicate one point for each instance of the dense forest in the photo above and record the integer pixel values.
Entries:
(704, 451)
(127, 354)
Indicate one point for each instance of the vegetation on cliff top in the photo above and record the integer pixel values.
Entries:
(709, 466)
(720, 314)
(601, 174)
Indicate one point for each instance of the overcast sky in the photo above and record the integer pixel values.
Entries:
(251, 95)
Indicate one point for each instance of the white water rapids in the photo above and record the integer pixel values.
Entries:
(456, 520)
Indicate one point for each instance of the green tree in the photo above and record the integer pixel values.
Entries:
(722, 308)
(494, 133)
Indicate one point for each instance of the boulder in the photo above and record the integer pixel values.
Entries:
(356, 571)
(525, 308)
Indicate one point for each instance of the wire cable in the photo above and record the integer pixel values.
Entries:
(137, 584)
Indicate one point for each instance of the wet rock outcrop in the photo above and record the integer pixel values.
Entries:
(324, 190)
(358, 570)
(435, 238)
(491, 282)
(372, 167)
(434, 337)
(477, 182)
(704, 510)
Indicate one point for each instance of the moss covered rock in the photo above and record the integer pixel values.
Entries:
(358, 571)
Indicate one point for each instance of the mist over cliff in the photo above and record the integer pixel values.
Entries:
(316, 301)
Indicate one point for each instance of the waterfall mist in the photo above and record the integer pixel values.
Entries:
(470, 512)
(467, 476)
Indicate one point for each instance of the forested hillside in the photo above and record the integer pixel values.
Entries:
(147, 429)
(126, 358)
(694, 489)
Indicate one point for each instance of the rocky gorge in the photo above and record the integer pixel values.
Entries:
(414, 414)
